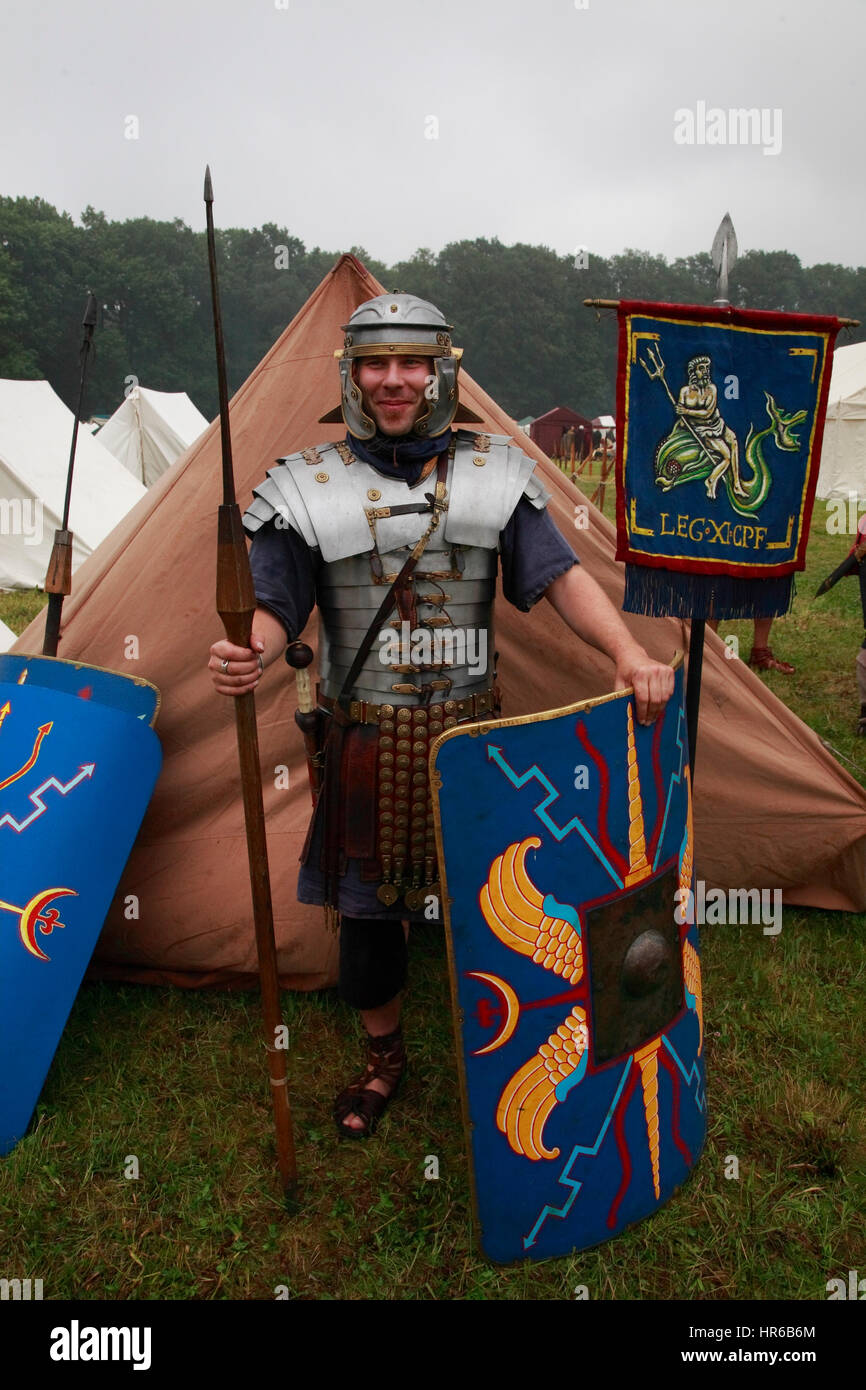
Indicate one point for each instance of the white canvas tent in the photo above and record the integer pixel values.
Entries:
(7, 637)
(843, 456)
(35, 435)
(150, 430)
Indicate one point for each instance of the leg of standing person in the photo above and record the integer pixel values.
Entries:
(861, 686)
(373, 964)
(762, 658)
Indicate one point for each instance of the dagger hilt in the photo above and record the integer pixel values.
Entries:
(299, 656)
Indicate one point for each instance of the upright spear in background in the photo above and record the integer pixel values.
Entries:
(236, 604)
(724, 254)
(58, 581)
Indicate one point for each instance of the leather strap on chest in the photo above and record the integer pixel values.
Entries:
(401, 591)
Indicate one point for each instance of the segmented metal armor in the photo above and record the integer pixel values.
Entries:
(342, 507)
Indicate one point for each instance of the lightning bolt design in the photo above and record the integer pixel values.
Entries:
(35, 798)
(575, 1184)
(559, 832)
(675, 780)
(693, 1074)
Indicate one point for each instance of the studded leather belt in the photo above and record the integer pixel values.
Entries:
(448, 712)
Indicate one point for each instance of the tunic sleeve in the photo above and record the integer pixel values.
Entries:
(284, 575)
(533, 553)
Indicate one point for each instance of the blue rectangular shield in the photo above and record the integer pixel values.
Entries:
(78, 762)
(566, 858)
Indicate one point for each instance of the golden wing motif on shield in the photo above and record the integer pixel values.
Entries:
(694, 996)
(514, 910)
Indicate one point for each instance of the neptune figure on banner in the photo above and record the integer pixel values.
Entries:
(701, 447)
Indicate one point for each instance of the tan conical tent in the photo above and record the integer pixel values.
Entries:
(773, 808)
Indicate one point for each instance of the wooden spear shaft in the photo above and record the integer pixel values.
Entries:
(236, 605)
(58, 580)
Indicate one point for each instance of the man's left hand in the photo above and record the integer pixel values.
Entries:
(652, 681)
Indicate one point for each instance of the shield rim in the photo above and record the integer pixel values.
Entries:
(103, 670)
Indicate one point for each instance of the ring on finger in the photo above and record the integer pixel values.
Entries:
(224, 665)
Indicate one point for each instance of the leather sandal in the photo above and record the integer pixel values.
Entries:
(386, 1061)
(762, 659)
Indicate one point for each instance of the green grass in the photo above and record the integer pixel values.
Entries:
(177, 1078)
(18, 607)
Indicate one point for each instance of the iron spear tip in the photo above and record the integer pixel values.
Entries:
(724, 244)
(208, 185)
(91, 311)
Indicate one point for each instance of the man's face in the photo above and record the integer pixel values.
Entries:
(393, 390)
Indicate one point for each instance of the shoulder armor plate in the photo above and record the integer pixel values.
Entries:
(489, 477)
(536, 493)
(311, 490)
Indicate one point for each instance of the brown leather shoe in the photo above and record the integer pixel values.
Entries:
(762, 659)
(386, 1061)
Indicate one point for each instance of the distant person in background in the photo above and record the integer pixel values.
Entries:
(761, 657)
(858, 551)
(855, 563)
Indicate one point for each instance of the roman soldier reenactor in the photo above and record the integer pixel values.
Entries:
(396, 533)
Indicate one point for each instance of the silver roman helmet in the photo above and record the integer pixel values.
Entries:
(412, 327)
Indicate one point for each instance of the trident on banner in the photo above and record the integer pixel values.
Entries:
(657, 362)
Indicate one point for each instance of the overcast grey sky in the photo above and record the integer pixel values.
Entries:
(554, 123)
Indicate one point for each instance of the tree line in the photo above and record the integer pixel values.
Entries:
(517, 310)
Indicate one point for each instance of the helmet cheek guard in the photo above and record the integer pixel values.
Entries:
(441, 392)
(357, 420)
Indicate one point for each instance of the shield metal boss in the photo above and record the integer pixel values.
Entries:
(78, 762)
(565, 852)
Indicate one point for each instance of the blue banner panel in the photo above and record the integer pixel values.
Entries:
(78, 763)
(720, 416)
(565, 846)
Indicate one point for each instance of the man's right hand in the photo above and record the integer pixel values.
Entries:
(235, 670)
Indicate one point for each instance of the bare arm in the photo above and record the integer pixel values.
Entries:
(268, 640)
(584, 606)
